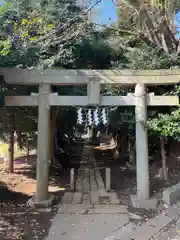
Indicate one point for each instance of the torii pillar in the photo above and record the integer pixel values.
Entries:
(43, 143)
(142, 162)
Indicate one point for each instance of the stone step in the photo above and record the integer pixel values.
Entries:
(108, 209)
(73, 208)
(92, 209)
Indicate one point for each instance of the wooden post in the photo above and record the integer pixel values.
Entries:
(43, 143)
(142, 163)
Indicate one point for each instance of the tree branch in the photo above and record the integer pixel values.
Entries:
(116, 29)
(65, 25)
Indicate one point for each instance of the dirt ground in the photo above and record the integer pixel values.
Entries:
(123, 179)
(17, 220)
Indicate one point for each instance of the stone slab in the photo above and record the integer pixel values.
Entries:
(86, 185)
(67, 197)
(93, 183)
(172, 194)
(86, 199)
(79, 181)
(153, 226)
(108, 209)
(149, 229)
(77, 198)
(73, 208)
(85, 227)
(148, 204)
(173, 212)
(94, 197)
(121, 233)
(108, 179)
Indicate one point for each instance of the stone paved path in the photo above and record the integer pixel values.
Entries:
(89, 185)
(90, 212)
(86, 227)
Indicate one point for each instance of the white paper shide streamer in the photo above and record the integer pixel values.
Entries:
(92, 116)
(104, 116)
(89, 115)
(96, 117)
(79, 116)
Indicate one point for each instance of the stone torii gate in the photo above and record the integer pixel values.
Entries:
(94, 79)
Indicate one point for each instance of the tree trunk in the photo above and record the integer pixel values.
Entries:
(27, 150)
(152, 34)
(167, 41)
(163, 155)
(132, 154)
(11, 143)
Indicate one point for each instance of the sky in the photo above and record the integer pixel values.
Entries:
(105, 12)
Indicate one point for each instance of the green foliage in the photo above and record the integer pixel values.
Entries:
(147, 56)
(166, 125)
(123, 118)
(40, 35)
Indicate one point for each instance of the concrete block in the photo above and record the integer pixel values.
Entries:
(172, 194)
(42, 204)
(148, 204)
